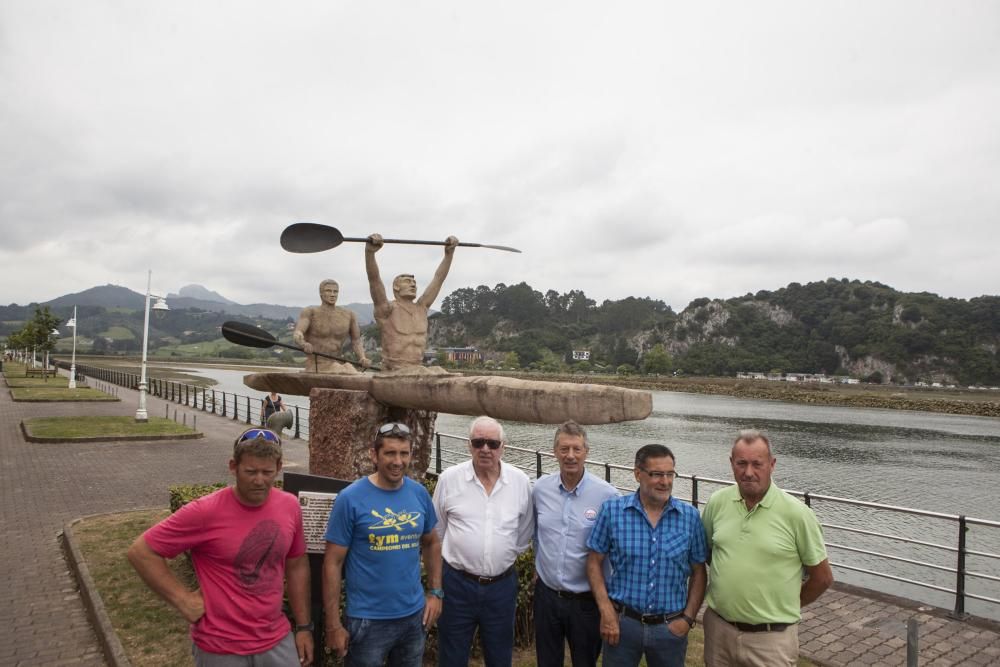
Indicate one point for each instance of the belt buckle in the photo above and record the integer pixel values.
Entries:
(647, 619)
(484, 580)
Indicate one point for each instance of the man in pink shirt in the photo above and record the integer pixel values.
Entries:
(244, 540)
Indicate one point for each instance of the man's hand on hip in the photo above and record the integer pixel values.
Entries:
(192, 607)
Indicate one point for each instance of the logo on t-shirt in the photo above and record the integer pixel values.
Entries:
(394, 523)
(258, 557)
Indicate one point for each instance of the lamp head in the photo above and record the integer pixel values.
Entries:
(161, 304)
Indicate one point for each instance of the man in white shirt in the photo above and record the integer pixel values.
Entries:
(485, 520)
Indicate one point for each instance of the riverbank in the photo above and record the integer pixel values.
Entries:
(981, 403)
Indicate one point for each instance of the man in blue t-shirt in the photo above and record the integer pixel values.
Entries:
(378, 527)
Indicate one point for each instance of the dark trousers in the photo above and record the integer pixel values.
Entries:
(468, 605)
(560, 620)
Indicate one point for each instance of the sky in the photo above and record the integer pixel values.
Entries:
(662, 149)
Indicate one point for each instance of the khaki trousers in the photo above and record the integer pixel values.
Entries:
(725, 646)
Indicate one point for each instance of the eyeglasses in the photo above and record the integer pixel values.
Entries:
(262, 433)
(478, 443)
(659, 474)
(393, 428)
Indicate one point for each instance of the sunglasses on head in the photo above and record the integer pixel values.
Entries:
(478, 443)
(393, 428)
(261, 433)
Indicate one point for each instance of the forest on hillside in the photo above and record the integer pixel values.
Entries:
(837, 326)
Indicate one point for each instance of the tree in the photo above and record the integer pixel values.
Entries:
(657, 361)
(511, 360)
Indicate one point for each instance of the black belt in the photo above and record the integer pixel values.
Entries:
(757, 627)
(646, 619)
(481, 580)
(568, 595)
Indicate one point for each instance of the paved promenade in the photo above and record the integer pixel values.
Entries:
(44, 486)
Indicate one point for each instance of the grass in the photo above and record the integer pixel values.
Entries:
(151, 631)
(96, 427)
(60, 394)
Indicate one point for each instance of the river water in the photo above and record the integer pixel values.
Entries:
(942, 463)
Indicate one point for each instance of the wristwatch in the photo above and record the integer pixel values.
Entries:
(690, 621)
(436, 592)
(306, 627)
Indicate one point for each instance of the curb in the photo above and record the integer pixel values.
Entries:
(112, 647)
(112, 438)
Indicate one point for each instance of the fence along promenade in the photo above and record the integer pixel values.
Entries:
(959, 569)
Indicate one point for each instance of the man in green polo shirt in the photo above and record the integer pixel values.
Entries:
(760, 539)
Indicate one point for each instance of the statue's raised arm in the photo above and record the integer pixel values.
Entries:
(403, 321)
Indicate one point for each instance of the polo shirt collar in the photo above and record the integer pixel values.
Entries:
(769, 497)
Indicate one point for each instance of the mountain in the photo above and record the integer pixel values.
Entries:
(842, 326)
(201, 293)
(190, 297)
(107, 296)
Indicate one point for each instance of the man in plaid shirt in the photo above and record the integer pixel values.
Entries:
(656, 546)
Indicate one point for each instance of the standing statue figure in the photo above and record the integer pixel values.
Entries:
(403, 321)
(324, 328)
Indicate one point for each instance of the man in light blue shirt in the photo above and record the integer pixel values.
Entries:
(566, 506)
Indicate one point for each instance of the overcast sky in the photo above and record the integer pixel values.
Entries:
(664, 149)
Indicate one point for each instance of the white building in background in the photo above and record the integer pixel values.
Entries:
(581, 355)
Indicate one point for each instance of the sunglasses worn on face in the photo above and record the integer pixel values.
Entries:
(393, 428)
(478, 443)
(262, 433)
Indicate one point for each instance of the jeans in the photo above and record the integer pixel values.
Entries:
(661, 647)
(373, 640)
(468, 605)
(560, 620)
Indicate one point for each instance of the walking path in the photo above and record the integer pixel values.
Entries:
(44, 486)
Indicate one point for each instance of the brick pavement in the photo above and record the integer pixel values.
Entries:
(44, 486)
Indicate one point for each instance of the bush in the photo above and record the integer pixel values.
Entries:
(182, 494)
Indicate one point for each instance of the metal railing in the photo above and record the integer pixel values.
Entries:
(831, 512)
(238, 407)
(536, 462)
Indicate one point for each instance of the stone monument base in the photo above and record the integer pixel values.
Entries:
(342, 425)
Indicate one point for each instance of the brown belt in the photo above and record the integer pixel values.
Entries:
(756, 627)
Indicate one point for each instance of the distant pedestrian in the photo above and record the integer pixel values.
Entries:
(761, 540)
(271, 404)
(245, 541)
(566, 506)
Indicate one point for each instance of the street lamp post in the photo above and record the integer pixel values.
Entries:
(72, 365)
(141, 415)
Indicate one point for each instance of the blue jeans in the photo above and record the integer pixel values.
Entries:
(468, 605)
(561, 620)
(373, 640)
(661, 647)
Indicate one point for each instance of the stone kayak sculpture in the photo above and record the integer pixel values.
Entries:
(535, 401)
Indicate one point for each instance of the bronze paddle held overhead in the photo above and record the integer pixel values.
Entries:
(248, 335)
(312, 237)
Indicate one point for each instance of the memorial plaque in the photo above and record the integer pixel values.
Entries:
(316, 508)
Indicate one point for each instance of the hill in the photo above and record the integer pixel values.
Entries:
(837, 326)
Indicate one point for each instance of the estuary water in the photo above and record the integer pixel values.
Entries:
(942, 463)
